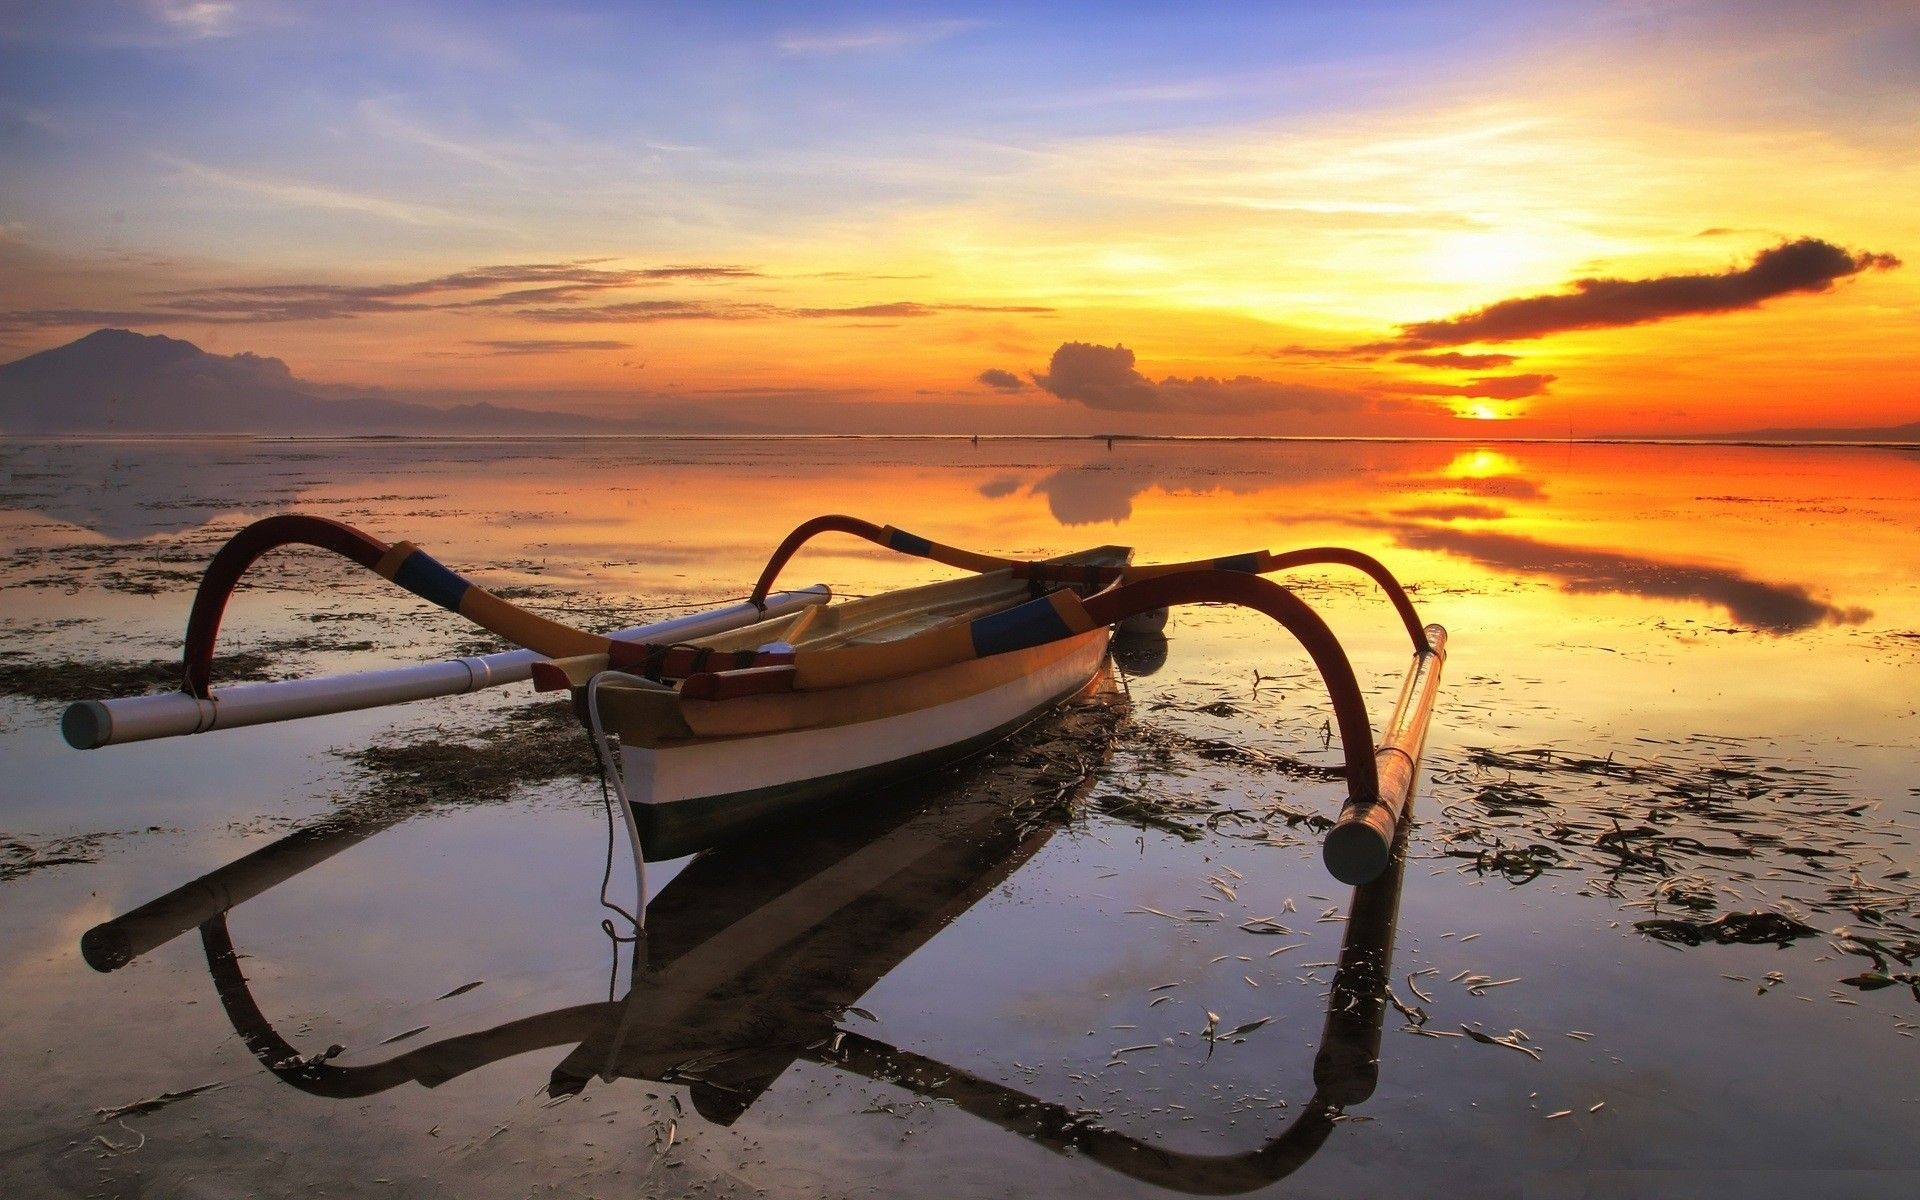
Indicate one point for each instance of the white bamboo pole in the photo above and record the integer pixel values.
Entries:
(89, 724)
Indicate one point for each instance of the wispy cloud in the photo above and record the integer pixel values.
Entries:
(1464, 362)
(1490, 387)
(517, 346)
(307, 195)
(635, 311)
(195, 19)
(554, 293)
(490, 287)
(871, 39)
(382, 115)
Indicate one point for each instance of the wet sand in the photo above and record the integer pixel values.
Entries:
(1655, 932)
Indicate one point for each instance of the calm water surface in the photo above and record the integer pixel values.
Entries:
(1656, 928)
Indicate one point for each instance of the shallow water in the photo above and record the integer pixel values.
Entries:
(1662, 850)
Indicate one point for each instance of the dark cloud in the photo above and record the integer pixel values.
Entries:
(246, 304)
(1005, 485)
(1099, 377)
(1806, 265)
(1492, 387)
(1104, 378)
(543, 345)
(1322, 352)
(1464, 362)
(630, 311)
(1772, 607)
(1452, 512)
(1001, 381)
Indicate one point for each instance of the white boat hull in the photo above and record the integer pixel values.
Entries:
(687, 795)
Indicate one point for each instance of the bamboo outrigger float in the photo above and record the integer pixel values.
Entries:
(727, 718)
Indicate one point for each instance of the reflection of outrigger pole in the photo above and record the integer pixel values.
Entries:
(755, 949)
(1345, 1072)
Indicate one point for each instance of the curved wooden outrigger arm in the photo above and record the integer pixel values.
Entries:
(880, 535)
(412, 568)
(1258, 562)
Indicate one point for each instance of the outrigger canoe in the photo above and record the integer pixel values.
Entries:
(714, 723)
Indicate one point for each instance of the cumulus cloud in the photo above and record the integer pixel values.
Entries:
(1804, 266)
(1001, 381)
(1098, 377)
(1104, 377)
(1464, 362)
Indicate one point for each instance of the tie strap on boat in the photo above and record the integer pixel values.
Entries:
(402, 562)
(1259, 562)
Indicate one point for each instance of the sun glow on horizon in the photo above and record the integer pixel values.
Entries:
(1288, 231)
(1481, 464)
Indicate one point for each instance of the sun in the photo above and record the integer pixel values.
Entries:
(1481, 464)
(1490, 260)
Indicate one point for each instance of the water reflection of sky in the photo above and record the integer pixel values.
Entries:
(1718, 614)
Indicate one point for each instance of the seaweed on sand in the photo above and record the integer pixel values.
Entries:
(58, 680)
(1697, 825)
(521, 747)
(1734, 928)
(19, 857)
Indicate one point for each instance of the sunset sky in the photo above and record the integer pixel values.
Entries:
(1595, 218)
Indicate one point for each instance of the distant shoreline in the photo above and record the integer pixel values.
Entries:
(361, 439)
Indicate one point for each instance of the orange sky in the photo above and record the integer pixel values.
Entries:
(880, 207)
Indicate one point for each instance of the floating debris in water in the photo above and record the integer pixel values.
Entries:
(1734, 928)
(142, 1107)
(1514, 1040)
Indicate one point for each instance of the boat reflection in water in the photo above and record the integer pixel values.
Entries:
(756, 948)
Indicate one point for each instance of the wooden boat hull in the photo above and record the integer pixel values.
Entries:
(686, 795)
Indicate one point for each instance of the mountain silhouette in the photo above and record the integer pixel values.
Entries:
(114, 381)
